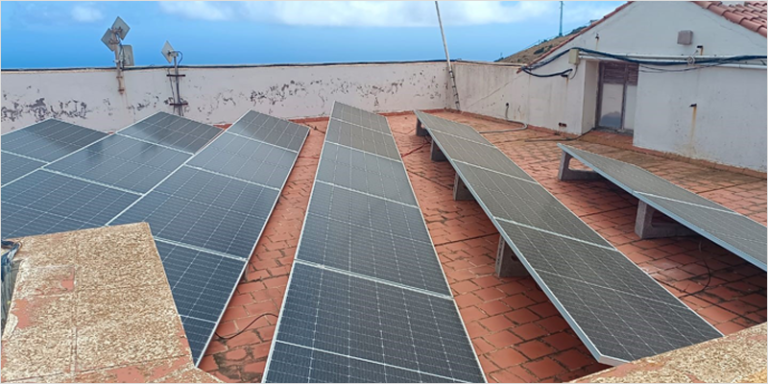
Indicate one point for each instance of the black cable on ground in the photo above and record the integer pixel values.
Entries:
(238, 333)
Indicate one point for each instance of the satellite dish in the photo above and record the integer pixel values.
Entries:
(168, 52)
(120, 27)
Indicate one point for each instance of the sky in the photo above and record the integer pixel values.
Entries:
(68, 34)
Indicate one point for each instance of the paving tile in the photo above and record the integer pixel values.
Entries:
(507, 358)
(534, 349)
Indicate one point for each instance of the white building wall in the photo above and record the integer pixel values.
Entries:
(218, 95)
(663, 117)
(727, 125)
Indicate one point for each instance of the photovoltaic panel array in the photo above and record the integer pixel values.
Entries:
(731, 230)
(367, 300)
(206, 223)
(208, 215)
(30, 148)
(173, 132)
(619, 312)
(87, 176)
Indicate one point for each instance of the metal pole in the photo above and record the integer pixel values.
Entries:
(561, 19)
(178, 95)
(448, 58)
(119, 62)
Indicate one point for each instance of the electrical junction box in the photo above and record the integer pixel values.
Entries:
(573, 56)
(685, 37)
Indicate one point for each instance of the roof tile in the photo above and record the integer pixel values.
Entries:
(751, 15)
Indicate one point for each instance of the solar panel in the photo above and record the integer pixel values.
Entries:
(368, 252)
(200, 282)
(451, 128)
(172, 131)
(207, 217)
(248, 159)
(618, 311)
(364, 172)
(14, 167)
(360, 117)
(360, 209)
(363, 139)
(49, 140)
(623, 325)
(733, 231)
(525, 202)
(203, 220)
(122, 162)
(45, 202)
(479, 155)
(363, 320)
(296, 364)
(270, 130)
(367, 299)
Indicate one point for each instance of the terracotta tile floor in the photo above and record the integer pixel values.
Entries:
(518, 334)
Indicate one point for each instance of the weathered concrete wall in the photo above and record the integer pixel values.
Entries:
(555, 103)
(730, 125)
(218, 95)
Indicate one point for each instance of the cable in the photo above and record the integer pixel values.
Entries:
(563, 139)
(562, 73)
(709, 275)
(691, 60)
(424, 144)
(244, 329)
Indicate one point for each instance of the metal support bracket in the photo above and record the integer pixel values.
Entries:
(645, 228)
(507, 263)
(436, 154)
(460, 190)
(420, 131)
(566, 174)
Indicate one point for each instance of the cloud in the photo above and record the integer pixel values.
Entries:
(365, 13)
(198, 10)
(86, 14)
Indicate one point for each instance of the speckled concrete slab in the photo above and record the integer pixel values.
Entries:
(736, 358)
(95, 306)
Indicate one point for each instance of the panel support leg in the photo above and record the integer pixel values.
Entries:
(460, 190)
(420, 131)
(647, 229)
(507, 263)
(436, 154)
(566, 173)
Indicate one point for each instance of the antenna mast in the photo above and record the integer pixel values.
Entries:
(448, 60)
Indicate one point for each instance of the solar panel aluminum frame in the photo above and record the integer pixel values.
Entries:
(640, 196)
(261, 231)
(298, 248)
(601, 358)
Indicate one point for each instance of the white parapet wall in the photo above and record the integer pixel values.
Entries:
(218, 95)
(727, 126)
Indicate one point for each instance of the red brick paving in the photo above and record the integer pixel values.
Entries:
(518, 334)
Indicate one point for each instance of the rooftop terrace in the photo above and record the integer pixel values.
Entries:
(517, 333)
